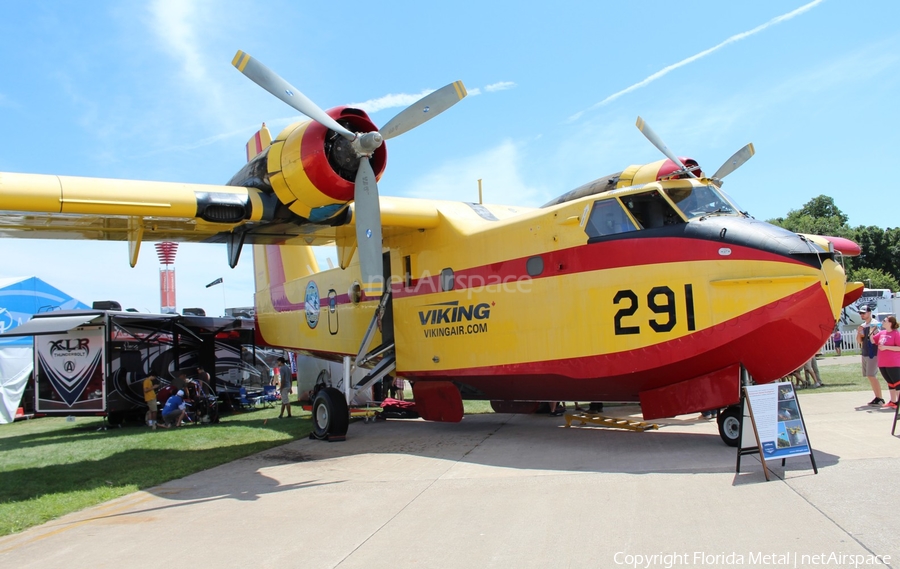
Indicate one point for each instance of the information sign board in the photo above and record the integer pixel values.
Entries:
(778, 421)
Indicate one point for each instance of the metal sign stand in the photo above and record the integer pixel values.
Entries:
(748, 445)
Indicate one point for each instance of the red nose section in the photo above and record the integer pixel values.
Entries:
(845, 246)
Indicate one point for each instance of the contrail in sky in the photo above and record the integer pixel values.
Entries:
(704, 53)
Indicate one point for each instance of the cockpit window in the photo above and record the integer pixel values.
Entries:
(700, 201)
(608, 218)
(651, 209)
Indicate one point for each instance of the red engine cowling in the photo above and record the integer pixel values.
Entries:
(659, 170)
(312, 169)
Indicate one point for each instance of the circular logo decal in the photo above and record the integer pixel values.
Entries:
(312, 304)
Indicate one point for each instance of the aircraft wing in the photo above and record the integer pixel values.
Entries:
(40, 206)
(67, 207)
(64, 207)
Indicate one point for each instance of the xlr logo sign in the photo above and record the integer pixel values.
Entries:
(76, 346)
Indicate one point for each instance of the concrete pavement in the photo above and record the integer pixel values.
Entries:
(508, 491)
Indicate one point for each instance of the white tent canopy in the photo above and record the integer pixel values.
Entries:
(20, 299)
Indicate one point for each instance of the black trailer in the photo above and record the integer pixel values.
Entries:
(92, 362)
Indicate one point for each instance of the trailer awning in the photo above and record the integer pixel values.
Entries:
(52, 325)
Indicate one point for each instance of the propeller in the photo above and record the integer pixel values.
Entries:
(426, 108)
(367, 209)
(657, 142)
(736, 161)
(271, 82)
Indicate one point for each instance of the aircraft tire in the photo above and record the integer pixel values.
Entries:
(330, 414)
(730, 425)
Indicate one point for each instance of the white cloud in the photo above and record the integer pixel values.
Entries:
(398, 100)
(175, 24)
(499, 168)
(391, 101)
(500, 86)
(666, 70)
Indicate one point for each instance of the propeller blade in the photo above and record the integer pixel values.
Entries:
(424, 109)
(367, 212)
(657, 142)
(736, 161)
(271, 82)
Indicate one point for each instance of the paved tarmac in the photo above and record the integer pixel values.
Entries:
(508, 491)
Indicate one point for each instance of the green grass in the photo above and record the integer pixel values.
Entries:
(50, 467)
(477, 407)
(843, 377)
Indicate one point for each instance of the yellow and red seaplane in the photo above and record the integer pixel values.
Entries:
(649, 285)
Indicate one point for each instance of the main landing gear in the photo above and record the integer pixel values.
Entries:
(330, 415)
(730, 425)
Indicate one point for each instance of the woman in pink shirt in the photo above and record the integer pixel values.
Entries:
(888, 342)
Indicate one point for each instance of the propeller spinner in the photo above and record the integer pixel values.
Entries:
(365, 191)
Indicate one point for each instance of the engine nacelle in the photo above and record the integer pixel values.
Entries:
(312, 169)
(654, 171)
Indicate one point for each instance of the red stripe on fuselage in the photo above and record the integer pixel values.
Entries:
(277, 282)
(275, 267)
(770, 341)
(583, 258)
(593, 257)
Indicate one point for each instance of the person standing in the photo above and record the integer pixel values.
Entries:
(399, 384)
(150, 384)
(284, 371)
(869, 352)
(838, 339)
(203, 377)
(888, 342)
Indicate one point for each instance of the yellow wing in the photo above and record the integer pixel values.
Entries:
(64, 207)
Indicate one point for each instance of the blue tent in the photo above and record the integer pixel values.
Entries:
(20, 298)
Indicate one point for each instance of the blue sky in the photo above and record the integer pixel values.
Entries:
(146, 90)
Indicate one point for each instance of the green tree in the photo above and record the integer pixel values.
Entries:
(872, 249)
(874, 278)
(879, 258)
(823, 207)
(819, 216)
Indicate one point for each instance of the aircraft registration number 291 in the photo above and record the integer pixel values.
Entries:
(661, 300)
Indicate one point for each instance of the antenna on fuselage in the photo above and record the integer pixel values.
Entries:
(480, 202)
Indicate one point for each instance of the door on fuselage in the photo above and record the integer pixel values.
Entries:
(387, 319)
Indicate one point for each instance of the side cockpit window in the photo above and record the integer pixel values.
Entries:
(651, 210)
(608, 218)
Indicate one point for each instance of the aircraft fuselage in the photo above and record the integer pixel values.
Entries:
(628, 295)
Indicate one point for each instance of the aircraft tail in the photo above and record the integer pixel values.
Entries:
(275, 265)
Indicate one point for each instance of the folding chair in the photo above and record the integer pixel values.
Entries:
(242, 400)
(268, 398)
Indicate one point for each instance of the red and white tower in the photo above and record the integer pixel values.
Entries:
(166, 253)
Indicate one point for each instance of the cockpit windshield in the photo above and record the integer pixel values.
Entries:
(699, 201)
